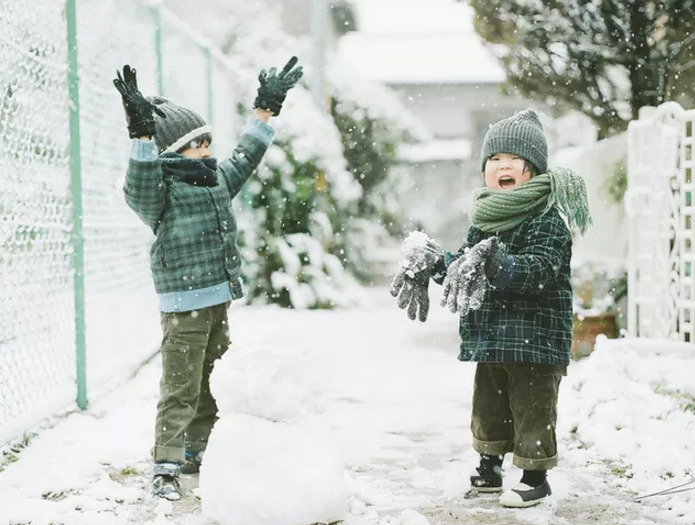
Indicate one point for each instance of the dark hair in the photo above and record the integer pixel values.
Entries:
(528, 166)
(205, 137)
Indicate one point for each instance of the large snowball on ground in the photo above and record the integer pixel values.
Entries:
(259, 472)
(268, 461)
(262, 382)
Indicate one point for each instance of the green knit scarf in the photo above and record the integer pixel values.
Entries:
(501, 210)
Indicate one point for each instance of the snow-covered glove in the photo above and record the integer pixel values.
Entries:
(468, 277)
(138, 110)
(274, 87)
(421, 257)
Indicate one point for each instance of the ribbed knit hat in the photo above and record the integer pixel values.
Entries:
(520, 134)
(180, 126)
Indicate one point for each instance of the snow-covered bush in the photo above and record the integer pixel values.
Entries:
(294, 205)
(372, 122)
(325, 193)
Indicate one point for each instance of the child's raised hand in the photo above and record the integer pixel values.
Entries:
(274, 86)
(138, 109)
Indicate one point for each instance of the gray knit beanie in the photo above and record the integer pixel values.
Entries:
(179, 128)
(520, 134)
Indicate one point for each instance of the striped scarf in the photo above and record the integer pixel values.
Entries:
(502, 210)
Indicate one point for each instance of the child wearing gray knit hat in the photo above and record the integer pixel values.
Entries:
(510, 285)
(178, 127)
(521, 135)
(180, 191)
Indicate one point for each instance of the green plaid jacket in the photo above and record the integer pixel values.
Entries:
(526, 315)
(195, 246)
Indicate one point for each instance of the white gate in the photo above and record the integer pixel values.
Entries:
(659, 207)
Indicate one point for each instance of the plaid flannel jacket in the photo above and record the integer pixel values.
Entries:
(526, 315)
(195, 245)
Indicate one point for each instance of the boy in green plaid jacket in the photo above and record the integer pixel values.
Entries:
(510, 284)
(185, 197)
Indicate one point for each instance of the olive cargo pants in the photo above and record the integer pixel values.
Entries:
(186, 410)
(515, 410)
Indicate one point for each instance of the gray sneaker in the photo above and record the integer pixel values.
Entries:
(165, 481)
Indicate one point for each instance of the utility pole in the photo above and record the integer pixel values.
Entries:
(319, 30)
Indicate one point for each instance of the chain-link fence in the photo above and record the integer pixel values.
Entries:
(74, 259)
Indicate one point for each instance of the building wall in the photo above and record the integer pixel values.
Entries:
(456, 110)
(437, 196)
(439, 191)
(606, 242)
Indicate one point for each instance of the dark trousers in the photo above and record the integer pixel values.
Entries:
(186, 410)
(515, 410)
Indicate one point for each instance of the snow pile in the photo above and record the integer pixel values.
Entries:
(267, 461)
(631, 407)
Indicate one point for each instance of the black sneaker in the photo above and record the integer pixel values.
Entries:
(489, 477)
(165, 481)
(522, 495)
(193, 462)
(488, 483)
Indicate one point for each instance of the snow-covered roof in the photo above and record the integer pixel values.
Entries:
(434, 150)
(421, 58)
(419, 42)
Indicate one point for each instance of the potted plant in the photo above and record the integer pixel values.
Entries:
(598, 306)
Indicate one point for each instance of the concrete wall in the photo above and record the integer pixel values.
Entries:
(458, 110)
(606, 242)
(437, 196)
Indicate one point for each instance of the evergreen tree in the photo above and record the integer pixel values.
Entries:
(284, 234)
(604, 58)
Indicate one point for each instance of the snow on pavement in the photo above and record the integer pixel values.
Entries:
(396, 403)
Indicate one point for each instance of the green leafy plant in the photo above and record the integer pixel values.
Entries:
(615, 184)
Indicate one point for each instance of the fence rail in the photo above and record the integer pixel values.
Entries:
(73, 258)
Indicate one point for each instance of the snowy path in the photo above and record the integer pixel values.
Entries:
(390, 390)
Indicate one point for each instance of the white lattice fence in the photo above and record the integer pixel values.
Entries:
(658, 203)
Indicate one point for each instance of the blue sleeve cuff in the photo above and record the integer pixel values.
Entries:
(259, 130)
(504, 277)
(144, 150)
(449, 258)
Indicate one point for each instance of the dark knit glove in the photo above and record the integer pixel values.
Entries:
(138, 110)
(274, 87)
(495, 255)
(468, 277)
(419, 261)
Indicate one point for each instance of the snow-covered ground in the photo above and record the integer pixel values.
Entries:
(394, 402)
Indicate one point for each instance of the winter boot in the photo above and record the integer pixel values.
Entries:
(193, 462)
(165, 481)
(489, 478)
(530, 491)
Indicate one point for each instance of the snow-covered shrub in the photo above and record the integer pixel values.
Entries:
(325, 194)
(372, 122)
(301, 190)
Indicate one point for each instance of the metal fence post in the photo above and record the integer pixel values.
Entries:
(76, 194)
(210, 65)
(158, 49)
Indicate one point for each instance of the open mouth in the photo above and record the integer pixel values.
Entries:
(506, 182)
